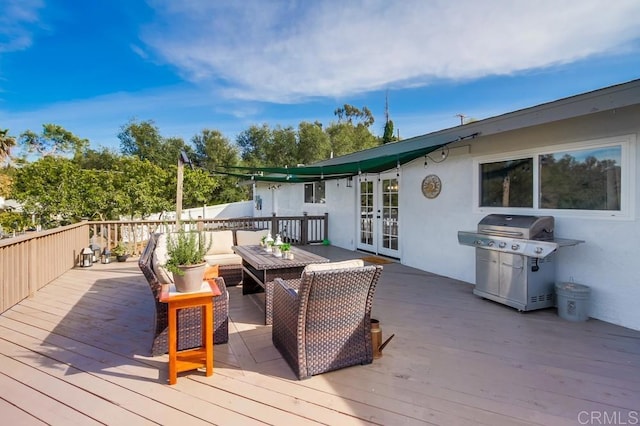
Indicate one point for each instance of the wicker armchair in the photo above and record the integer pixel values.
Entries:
(322, 321)
(189, 332)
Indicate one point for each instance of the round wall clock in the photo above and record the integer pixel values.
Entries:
(431, 186)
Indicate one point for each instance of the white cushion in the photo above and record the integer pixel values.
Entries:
(221, 242)
(315, 267)
(223, 259)
(250, 238)
(159, 260)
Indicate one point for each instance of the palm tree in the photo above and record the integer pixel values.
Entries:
(6, 143)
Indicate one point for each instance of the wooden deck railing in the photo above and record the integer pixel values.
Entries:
(30, 261)
(299, 230)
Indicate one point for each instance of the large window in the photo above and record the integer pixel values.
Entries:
(589, 177)
(314, 192)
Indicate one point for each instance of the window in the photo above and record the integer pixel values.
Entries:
(314, 192)
(588, 177)
(507, 183)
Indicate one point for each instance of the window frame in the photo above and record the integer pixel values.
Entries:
(313, 196)
(628, 160)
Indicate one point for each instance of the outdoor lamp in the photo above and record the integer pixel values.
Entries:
(276, 246)
(86, 257)
(96, 251)
(268, 243)
(106, 256)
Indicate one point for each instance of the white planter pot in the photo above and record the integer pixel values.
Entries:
(192, 278)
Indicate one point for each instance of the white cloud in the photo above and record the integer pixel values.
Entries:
(291, 51)
(16, 19)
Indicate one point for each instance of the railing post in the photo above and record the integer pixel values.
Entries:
(326, 226)
(304, 229)
(274, 225)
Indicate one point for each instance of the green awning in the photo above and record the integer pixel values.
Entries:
(374, 160)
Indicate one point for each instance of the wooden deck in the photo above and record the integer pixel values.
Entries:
(78, 353)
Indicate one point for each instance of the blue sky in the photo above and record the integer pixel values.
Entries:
(91, 66)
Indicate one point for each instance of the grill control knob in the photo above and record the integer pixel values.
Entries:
(491, 244)
(502, 245)
(538, 249)
(515, 247)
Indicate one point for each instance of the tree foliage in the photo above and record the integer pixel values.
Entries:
(48, 188)
(143, 140)
(388, 136)
(354, 116)
(211, 151)
(141, 178)
(54, 140)
(6, 143)
(310, 143)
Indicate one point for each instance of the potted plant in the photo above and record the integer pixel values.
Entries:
(120, 252)
(185, 259)
(285, 248)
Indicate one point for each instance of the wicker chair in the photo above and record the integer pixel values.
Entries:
(322, 321)
(189, 320)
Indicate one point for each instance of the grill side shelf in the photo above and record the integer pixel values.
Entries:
(531, 248)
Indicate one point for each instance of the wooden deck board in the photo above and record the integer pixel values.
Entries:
(77, 352)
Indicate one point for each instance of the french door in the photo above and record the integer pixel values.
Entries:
(379, 214)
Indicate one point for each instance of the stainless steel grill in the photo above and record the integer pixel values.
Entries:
(515, 259)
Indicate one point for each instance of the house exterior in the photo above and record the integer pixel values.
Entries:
(575, 159)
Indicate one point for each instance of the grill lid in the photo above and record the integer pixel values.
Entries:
(521, 226)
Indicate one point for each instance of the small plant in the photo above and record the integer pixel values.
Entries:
(285, 247)
(184, 249)
(119, 250)
(262, 240)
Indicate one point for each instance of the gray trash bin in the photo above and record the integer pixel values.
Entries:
(573, 301)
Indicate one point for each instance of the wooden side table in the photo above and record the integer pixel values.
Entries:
(190, 359)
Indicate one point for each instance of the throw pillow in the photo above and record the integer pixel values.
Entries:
(315, 267)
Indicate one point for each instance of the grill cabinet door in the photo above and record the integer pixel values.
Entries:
(513, 276)
(488, 271)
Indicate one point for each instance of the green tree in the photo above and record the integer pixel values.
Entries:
(212, 151)
(54, 140)
(198, 188)
(143, 140)
(13, 222)
(282, 150)
(6, 143)
(103, 159)
(352, 115)
(388, 136)
(5, 184)
(346, 138)
(48, 188)
(253, 144)
(144, 187)
(313, 143)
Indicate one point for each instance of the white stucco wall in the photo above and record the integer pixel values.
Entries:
(607, 261)
(288, 199)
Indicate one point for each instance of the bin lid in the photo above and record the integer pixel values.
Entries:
(572, 287)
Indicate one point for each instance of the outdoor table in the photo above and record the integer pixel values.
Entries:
(260, 268)
(202, 356)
